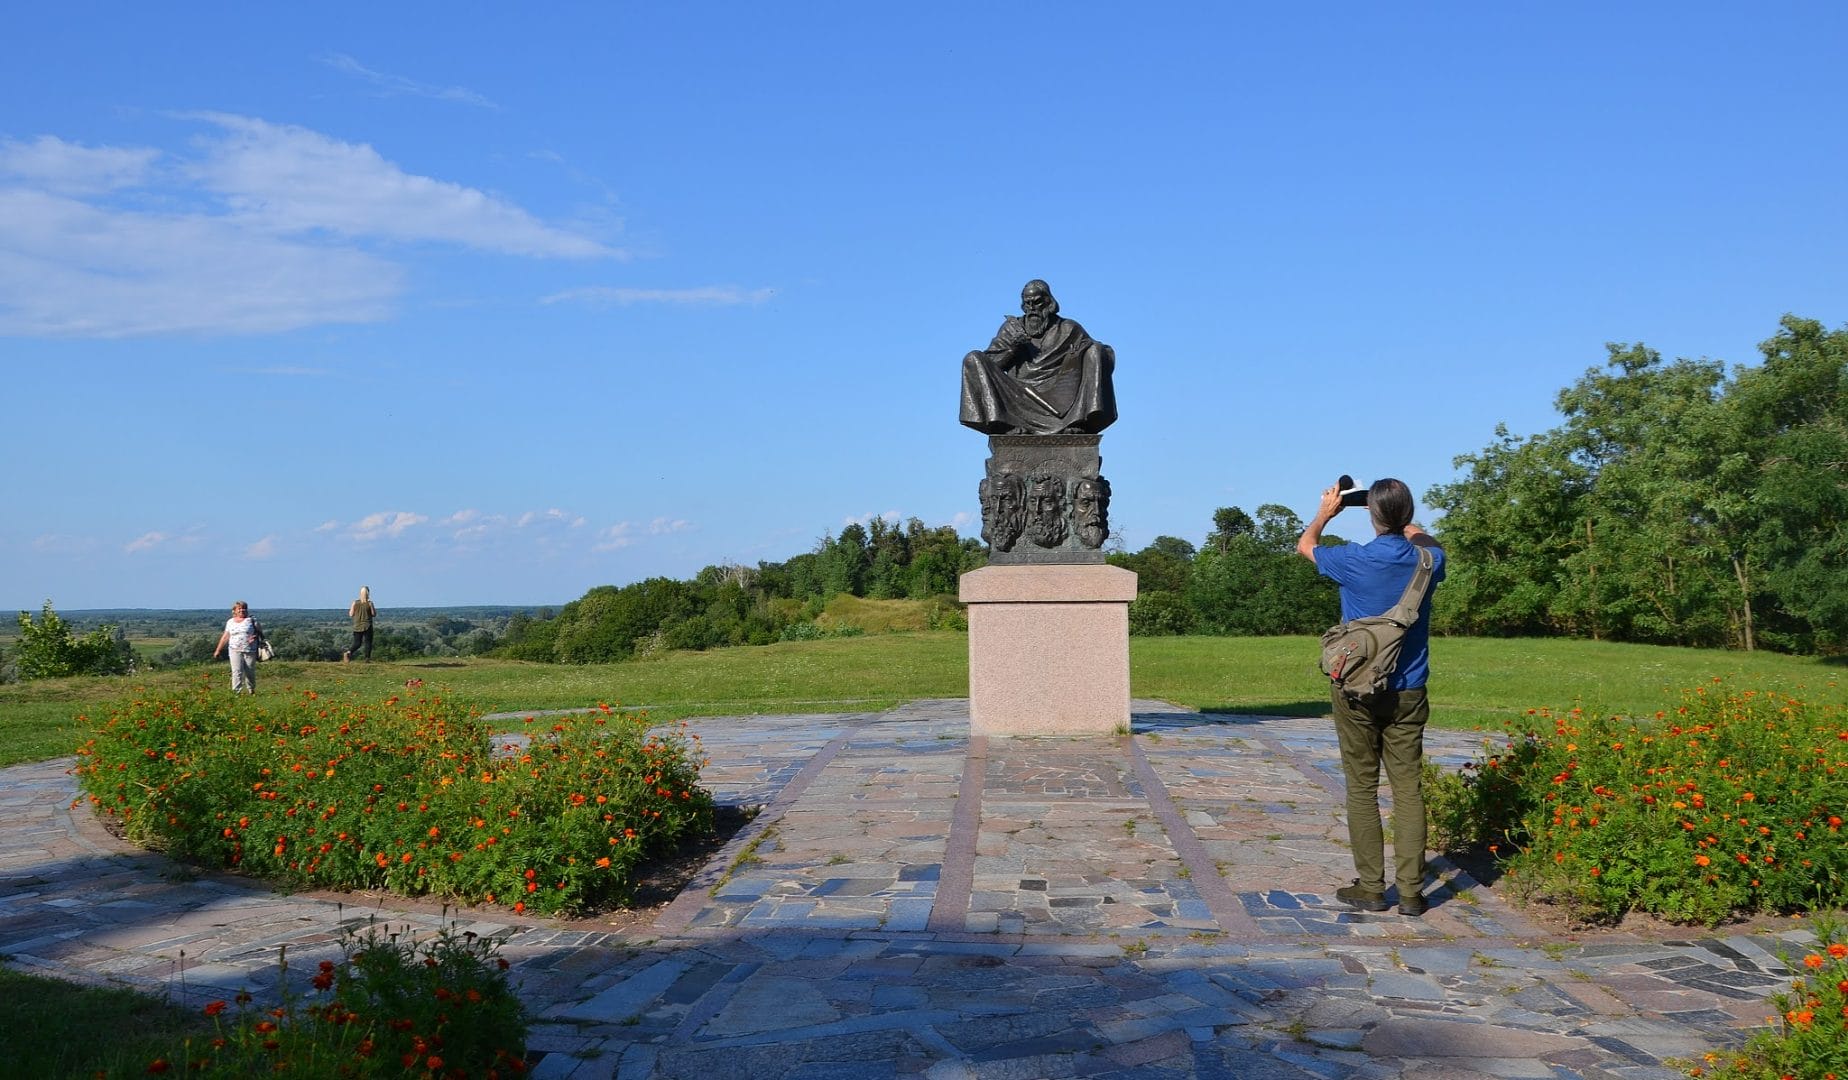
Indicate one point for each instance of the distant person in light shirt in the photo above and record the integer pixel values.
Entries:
(361, 612)
(242, 636)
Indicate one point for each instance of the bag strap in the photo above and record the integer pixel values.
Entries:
(1405, 612)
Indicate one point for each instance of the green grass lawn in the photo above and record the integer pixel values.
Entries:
(1474, 681)
(51, 1028)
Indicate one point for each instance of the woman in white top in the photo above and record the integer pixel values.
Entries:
(242, 635)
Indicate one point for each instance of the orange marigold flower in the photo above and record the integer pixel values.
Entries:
(1838, 950)
(1812, 961)
(1701, 860)
(266, 1026)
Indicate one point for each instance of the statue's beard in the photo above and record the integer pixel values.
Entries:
(1035, 322)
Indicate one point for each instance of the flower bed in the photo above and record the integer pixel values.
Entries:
(1729, 803)
(439, 1009)
(413, 794)
(1808, 1037)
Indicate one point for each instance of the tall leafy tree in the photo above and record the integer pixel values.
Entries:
(1674, 504)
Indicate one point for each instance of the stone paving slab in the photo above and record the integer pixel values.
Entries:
(921, 903)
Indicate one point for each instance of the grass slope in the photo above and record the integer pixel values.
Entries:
(1475, 680)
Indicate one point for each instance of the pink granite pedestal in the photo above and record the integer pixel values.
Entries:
(1048, 649)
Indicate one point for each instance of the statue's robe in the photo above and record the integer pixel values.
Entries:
(1056, 382)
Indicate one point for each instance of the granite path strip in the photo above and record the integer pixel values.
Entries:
(910, 901)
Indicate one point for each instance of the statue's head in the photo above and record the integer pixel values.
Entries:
(1004, 510)
(1037, 306)
(1091, 509)
(1046, 510)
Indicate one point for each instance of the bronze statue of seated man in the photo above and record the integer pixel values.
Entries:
(1042, 375)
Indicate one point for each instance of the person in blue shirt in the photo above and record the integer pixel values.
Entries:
(1387, 727)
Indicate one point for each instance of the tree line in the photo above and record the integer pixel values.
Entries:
(740, 605)
(1678, 503)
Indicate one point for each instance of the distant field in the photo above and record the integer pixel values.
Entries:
(1476, 680)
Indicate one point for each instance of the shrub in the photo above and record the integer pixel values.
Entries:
(48, 650)
(1809, 1036)
(392, 1007)
(1730, 803)
(415, 795)
(1158, 613)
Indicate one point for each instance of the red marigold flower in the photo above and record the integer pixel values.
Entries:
(266, 1026)
(1838, 950)
(433, 1063)
(158, 1066)
(215, 1008)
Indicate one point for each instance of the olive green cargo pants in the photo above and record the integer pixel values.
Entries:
(1385, 728)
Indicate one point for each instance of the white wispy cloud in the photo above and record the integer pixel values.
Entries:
(554, 515)
(55, 165)
(386, 524)
(398, 84)
(70, 268)
(614, 537)
(661, 526)
(705, 296)
(327, 526)
(293, 180)
(256, 228)
(262, 549)
(147, 541)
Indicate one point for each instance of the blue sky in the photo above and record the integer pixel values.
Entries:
(483, 304)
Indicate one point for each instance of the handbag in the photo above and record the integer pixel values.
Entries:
(1359, 655)
(264, 652)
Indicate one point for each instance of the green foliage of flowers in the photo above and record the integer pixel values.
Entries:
(441, 1009)
(1808, 1039)
(1728, 804)
(413, 794)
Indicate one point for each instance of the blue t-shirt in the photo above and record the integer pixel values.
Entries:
(1373, 577)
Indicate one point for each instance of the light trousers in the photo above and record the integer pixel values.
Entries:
(243, 672)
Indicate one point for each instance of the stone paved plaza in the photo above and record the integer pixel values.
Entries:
(918, 902)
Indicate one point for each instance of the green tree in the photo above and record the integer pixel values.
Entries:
(1161, 567)
(606, 623)
(1674, 505)
(1246, 580)
(48, 649)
